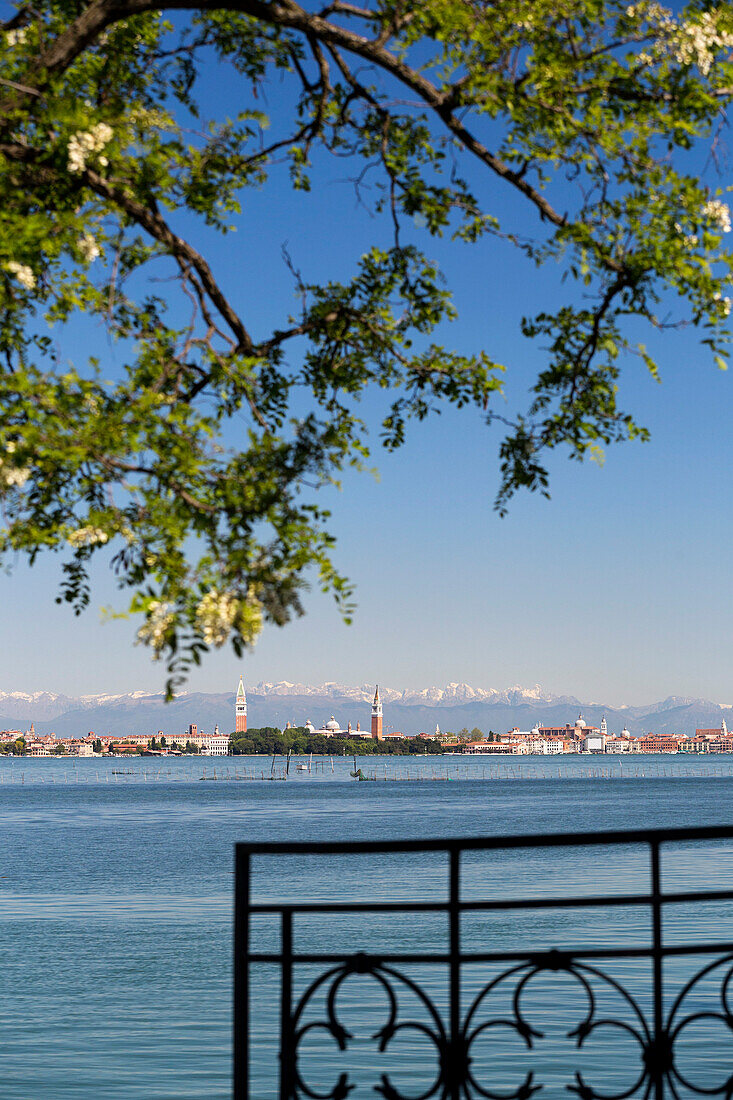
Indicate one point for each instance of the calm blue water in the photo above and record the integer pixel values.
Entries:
(116, 904)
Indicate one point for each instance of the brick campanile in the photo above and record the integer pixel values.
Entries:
(241, 709)
(377, 716)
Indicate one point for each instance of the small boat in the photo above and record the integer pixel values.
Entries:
(301, 767)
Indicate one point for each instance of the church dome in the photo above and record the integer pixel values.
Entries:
(333, 725)
(580, 724)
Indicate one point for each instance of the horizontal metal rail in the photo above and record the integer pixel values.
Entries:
(428, 958)
(491, 843)
(580, 902)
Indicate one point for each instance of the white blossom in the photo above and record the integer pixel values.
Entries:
(88, 248)
(651, 11)
(16, 37)
(722, 303)
(694, 43)
(159, 621)
(215, 616)
(23, 274)
(87, 536)
(697, 43)
(86, 144)
(690, 239)
(15, 477)
(718, 212)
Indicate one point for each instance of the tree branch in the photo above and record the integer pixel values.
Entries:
(286, 13)
(156, 226)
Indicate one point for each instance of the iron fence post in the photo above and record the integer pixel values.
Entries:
(241, 972)
(286, 1007)
(455, 1056)
(659, 1036)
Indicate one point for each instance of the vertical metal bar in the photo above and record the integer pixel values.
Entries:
(241, 972)
(286, 1000)
(659, 1040)
(454, 897)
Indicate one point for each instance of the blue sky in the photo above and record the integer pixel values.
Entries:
(619, 589)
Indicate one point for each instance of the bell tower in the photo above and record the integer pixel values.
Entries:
(241, 709)
(377, 717)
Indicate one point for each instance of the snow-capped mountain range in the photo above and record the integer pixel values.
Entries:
(452, 707)
(433, 696)
(46, 704)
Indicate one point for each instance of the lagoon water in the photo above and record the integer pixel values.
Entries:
(116, 903)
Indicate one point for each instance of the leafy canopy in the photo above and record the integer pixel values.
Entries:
(588, 111)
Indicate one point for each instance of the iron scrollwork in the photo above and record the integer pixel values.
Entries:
(678, 1023)
(591, 1022)
(456, 1070)
(390, 980)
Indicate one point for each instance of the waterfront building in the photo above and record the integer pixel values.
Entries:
(618, 744)
(577, 732)
(212, 744)
(240, 709)
(37, 748)
(713, 735)
(657, 743)
(721, 744)
(536, 743)
(515, 734)
(489, 748)
(549, 746)
(377, 717)
(209, 744)
(11, 735)
(333, 728)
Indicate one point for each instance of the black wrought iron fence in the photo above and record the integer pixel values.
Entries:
(669, 1010)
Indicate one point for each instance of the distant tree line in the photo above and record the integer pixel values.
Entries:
(13, 748)
(269, 741)
(177, 746)
(470, 735)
